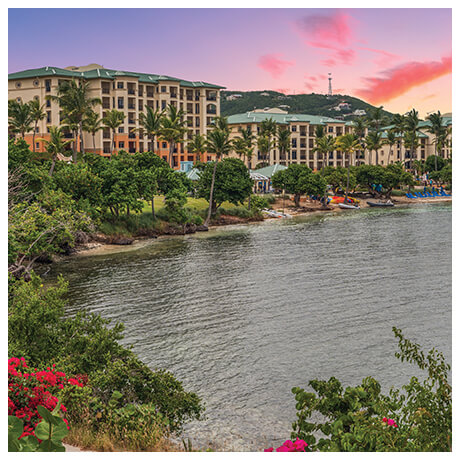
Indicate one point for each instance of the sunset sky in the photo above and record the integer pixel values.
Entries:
(398, 58)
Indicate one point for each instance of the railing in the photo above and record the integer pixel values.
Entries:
(132, 106)
(211, 112)
(131, 122)
(211, 98)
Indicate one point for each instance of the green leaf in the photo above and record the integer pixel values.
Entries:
(29, 444)
(15, 427)
(42, 430)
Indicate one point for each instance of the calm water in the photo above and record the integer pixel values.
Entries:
(243, 314)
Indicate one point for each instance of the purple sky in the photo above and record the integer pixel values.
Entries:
(398, 58)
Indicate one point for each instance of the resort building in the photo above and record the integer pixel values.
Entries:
(302, 129)
(302, 150)
(128, 92)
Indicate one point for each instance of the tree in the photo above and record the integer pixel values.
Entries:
(337, 178)
(75, 102)
(376, 119)
(197, 145)
(172, 129)
(293, 180)
(283, 139)
(248, 138)
(411, 129)
(359, 126)
(437, 129)
(19, 117)
(113, 119)
(432, 162)
(55, 145)
(218, 142)
(150, 123)
(348, 144)
(92, 124)
(390, 141)
(36, 114)
(264, 144)
(324, 145)
(239, 146)
(267, 132)
(373, 143)
(228, 179)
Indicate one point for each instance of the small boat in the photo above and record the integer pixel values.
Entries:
(348, 206)
(385, 204)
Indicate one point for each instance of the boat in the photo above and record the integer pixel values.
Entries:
(276, 214)
(385, 204)
(341, 199)
(348, 206)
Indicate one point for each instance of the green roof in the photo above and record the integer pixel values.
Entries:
(269, 170)
(280, 118)
(106, 73)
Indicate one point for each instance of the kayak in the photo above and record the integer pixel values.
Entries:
(341, 199)
(348, 206)
(387, 204)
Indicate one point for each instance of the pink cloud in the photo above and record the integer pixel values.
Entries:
(333, 28)
(312, 78)
(338, 90)
(309, 86)
(384, 58)
(398, 80)
(282, 90)
(329, 62)
(345, 56)
(272, 64)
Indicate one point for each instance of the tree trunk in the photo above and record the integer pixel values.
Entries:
(113, 143)
(153, 207)
(249, 202)
(152, 142)
(348, 184)
(94, 143)
(171, 151)
(33, 137)
(211, 192)
(436, 157)
(127, 209)
(82, 150)
(53, 164)
(297, 200)
(74, 151)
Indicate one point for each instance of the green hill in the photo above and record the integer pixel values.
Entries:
(312, 104)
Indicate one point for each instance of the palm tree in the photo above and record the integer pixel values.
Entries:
(55, 145)
(19, 117)
(37, 114)
(437, 129)
(377, 119)
(150, 123)
(221, 122)
(267, 131)
(348, 144)
(264, 144)
(197, 145)
(359, 126)
(172, 129)
(411, 122)
(239, 146)
(92, 124)
(373, 143)
(283, 139)
(74, 100)
(390, 141)
(218, 142)
(248, 138)
(70, 123)
(113, 119)
(324, 145)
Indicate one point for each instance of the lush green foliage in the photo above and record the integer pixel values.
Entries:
(232, 182)
(355, 419)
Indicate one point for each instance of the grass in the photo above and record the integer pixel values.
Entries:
(195, 204)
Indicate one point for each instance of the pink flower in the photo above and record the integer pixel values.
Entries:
(270, 449)
(384, 419)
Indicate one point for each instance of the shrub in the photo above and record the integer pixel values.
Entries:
(259, 202)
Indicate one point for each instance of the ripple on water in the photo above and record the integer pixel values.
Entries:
(242, 315)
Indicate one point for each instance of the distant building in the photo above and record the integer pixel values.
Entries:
(359, 112)
(264, 94)
(127, 92)
(233, 97)
(342, 106)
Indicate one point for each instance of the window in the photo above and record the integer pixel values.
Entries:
(293, 128)
(48, 117)
(121, 130)
(163, 89)
(197, 108)
(121, 144)
(48, 103)
(163, 105)
(18, 99)
(37, 145)
(330, 129)
(36, 83)
(121, 103)
(120, 85)
(163, 145)
(18, 84)
(36, 98)
(294, 155)
(47, 86)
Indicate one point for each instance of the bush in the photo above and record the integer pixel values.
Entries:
(357, 419)
(259, 202)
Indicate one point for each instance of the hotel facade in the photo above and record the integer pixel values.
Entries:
(302, 129)
(127, 92)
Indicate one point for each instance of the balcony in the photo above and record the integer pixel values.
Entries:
(174, 95)
(131, 121)
(132, 106)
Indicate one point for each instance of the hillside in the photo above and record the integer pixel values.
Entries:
(312, 104)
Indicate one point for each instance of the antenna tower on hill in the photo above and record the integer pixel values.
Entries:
(329, 93)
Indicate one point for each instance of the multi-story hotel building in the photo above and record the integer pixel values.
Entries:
(302, 151)
(128, 92)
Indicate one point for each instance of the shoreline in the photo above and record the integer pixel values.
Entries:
(308, 209)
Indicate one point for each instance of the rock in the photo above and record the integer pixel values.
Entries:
(202, 228)
(122, 240)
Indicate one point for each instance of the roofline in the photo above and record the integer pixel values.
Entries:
(77, 74)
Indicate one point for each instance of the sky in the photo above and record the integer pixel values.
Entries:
(398, 58)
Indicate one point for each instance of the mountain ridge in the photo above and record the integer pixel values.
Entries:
(312, 104)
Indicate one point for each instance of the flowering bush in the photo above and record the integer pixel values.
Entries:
(389, 422)
(298, 445)
(27, 390)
